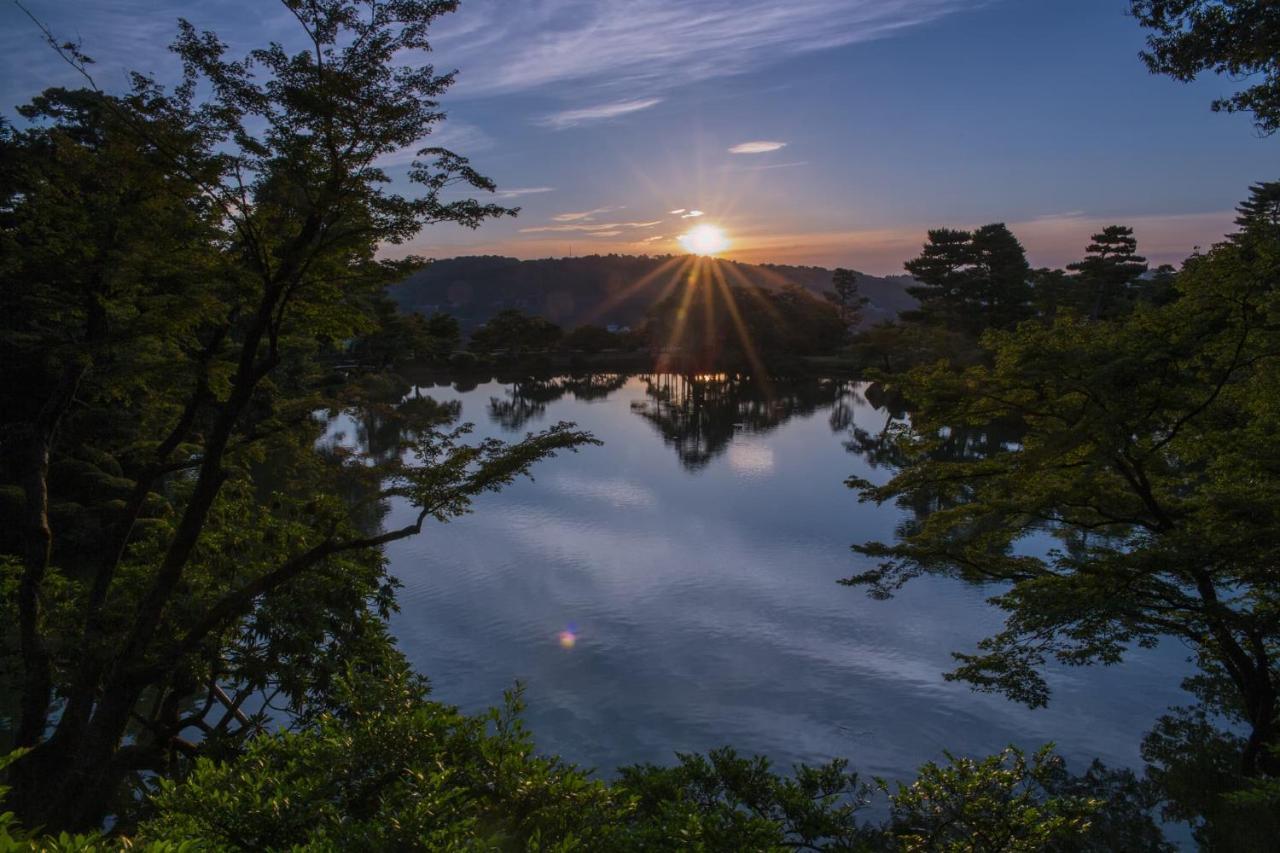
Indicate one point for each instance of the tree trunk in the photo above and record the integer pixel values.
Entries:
(69, 781)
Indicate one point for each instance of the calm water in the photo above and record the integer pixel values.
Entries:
(695, 557)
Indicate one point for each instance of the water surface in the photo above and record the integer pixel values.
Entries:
(695, 559)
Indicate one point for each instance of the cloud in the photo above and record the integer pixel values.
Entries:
(516, 192)
(693, 214)
(599, 112)
(604, 233)
(654, 237)
(629, 46)
(676, 212)
(589, 227)
(1162, 238)
(765, 166)
(457, 136)
(582, 214)
(1070, 214)
(760, 147)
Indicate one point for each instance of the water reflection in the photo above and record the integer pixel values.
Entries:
(526, 400)
(698, 415)
(655, 600)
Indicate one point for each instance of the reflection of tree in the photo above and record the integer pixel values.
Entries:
(527, 399)
(388, 413)
(700, 414)
(592, 387)
(882, 448)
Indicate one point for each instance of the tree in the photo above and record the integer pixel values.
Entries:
(515, 333)
(942, 275)
(1145, 448)
(1006, 803)
(1237, 37)
(972, 280)
(712, 324)
(591, 339)
(1260, 213)
(389, 769)
(845, 296)
(1002, 277)
(1109, 273)
(172, 266)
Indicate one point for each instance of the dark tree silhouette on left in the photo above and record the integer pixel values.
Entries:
(173, 261)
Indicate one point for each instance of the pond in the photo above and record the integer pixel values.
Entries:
(676, 590)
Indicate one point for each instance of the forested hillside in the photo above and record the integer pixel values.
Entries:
(604, 289)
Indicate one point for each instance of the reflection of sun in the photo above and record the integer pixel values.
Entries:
(704, 240)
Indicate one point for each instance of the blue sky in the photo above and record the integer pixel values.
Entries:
(600, 117)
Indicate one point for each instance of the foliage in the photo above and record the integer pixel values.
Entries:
(1240, 38)
(595, 339)
(601, 289)
(845, 295)
(400, 337)
(385, 768)
(709, 323)
(1005, 803)
(515, 333)
(175, 267)
(726, 802)
(971, 280)
(893, 348)
(1108, 275)
(1136, 501)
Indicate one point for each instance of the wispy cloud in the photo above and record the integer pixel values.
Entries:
(604, 233)
(517, 192)
(733, 167)
(655, 45)
(588, 227)
(692, 214)
(759, 147)
(458, 136)
(582, 215)
(599, 112)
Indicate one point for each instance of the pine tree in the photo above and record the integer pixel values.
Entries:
(1108, 272)
(942, 273)
(846, 297)
(1001, 277)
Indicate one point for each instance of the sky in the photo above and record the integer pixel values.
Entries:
(828, 132)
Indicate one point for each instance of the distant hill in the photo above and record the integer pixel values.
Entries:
(602, 289)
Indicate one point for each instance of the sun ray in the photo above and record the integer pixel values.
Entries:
(692, 282)
(758, 371)
(615, 298)
(753, 292)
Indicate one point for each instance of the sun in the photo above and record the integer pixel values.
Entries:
(704, 240)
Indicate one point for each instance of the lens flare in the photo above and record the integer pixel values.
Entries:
(568, 638)
(704, 240)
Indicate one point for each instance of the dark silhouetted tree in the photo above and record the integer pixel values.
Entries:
(942, 273)
(1109, 272)
(846, 297)
(515, 333)
(1001, 277)
(172, 263)
(1240, 38)
(972, 281)
(1146, 448)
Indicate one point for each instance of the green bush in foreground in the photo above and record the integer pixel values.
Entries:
(387, 769)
